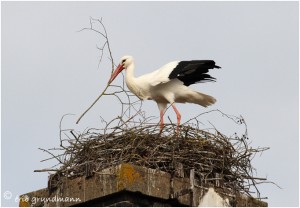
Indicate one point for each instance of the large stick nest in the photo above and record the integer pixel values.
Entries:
(213, 155)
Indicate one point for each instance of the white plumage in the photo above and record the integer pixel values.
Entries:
(169, 84)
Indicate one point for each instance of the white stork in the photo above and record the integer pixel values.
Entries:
(169, 84)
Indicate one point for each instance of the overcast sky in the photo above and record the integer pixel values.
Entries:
(49, 69)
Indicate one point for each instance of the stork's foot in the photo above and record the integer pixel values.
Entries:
(177, 130)
(161, 120)
(161, 125)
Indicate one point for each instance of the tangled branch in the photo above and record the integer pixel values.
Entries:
(102, 31)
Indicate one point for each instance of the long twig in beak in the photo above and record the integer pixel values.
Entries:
(104, 34)
(102, 93)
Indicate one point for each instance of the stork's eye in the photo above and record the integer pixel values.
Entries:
(123, 61)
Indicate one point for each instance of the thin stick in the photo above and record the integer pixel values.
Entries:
(102, 93)
(105, 36)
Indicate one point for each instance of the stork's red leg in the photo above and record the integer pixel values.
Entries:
(161, 119)
(178, 116)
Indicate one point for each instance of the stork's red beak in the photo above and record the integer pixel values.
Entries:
(116, 72)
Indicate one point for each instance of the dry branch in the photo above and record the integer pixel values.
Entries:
(102, 31)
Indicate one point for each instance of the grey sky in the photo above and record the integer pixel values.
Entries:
(49, 69)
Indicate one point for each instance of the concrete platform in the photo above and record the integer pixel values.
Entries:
(130, 185)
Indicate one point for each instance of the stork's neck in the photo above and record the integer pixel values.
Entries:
(130, 73)
(131, 79)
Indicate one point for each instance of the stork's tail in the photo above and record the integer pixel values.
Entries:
(201, 99)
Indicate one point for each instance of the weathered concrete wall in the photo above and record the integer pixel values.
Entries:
(133, 179)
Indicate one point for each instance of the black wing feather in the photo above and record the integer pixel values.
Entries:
(191, 72)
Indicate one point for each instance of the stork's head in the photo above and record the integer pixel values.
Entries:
(124, 63)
